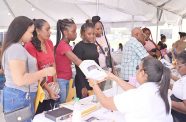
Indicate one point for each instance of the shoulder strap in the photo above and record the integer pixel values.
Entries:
(100, 47)
(28, 85)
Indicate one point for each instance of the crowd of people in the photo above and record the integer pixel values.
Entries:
(29, 58)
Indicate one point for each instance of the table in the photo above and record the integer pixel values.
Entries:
(102, 114)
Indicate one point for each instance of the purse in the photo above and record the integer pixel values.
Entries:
(54, 86)
(174, 98)
(21, 114)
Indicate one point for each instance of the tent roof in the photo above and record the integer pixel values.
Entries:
(111, 11)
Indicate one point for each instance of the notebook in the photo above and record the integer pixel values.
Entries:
(59, 114)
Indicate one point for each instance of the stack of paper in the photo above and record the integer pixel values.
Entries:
(86, 107)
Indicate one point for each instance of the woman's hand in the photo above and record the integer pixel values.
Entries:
(173, 77)
(110, 76)
(53, 95)
(84, 92)
(50, 71)
(92, 82)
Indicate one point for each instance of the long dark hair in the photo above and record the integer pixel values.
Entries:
(62, 25)
(38, 25)
(96, 19)
(16, 30)
(159, 74)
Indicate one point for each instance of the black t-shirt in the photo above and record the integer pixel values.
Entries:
(84, 51)
(162, 45)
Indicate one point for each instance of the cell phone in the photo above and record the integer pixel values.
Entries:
(91, 119)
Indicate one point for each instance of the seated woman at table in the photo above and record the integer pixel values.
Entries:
(147, 103)
(179, 90)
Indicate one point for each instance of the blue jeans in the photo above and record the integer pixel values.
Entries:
(2, 81)
(14, 99)
(64, 86)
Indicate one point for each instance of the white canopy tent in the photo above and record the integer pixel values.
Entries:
(113, 13)
(116, 12)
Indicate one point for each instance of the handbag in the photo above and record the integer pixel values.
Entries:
(21, 114)
(54, 86)
(174, 98)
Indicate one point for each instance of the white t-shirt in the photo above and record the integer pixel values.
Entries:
(179, 88)
(142, 104)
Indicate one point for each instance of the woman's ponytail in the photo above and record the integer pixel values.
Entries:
(160, 75)
(164, 86)
(58, 35)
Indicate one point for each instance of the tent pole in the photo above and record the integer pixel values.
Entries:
(10, 10)
(181, 24)
(97, 7)
(157, 23)
(132, 26)
(43, 12)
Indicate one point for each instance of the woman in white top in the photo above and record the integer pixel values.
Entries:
(179, 90)
(103, 47)
(147, 103)
(102, 43)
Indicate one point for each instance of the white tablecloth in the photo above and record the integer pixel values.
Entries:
(102, 114)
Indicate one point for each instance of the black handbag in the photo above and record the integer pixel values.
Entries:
(174, 98)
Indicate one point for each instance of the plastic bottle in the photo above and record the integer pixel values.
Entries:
(76, 115)
(114, 88)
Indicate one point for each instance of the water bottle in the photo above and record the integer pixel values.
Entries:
(94, 99)
(114, 88)
(76, 115)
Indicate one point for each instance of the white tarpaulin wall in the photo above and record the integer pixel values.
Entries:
(116, 12)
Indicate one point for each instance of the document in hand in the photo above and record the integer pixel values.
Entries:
(92, 70)
(166, 64)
